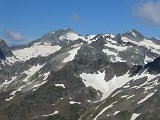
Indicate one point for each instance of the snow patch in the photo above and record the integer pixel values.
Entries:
(73, 102)
(124, 96)
(118, 48)
(7, 82)
(37, 49)
(146, 43)
(55, 112)
(117, 93)
(148, 59)
(111, 40)
(72, 53)
(134, 116)
(116, 112)
(60, 85)
(130, 97)
(32, 71)
(11, 60)
(46, 75)
(70, 36)
(104, 110)
(108, 52)
(98, 82)
(38, 85)
(148, 96)
(14, 93)
(134, 34)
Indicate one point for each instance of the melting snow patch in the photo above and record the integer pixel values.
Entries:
(104, 110)
(124, 96)
(6, 82)
(127, 96)
(39, 82)
(116, 112)
(46, 75)
(134, 116)
(144, 74)
(108, 52)
(117, 93)
(146, 43)
(32, 71)
(73, 102)
(147, 59)
(151, 85)
(14, 93)
(37, 85)
(130, 97)
(127, 86)
(134, 34)
(118, 59)
(148, 96)
(111, 40)
(118, 48)
(72, 53)
(56, 112)
(60, 85)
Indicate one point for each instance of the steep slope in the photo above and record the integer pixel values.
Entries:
(6, 55)
(138, 99)
(4, 50)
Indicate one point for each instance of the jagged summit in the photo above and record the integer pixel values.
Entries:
(134, 35)
(61, 31)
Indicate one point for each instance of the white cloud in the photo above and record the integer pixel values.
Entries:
(148, 11)
(15, 36)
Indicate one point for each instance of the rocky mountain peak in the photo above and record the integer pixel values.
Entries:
(134, 35)
(60, 31)
(60, 37)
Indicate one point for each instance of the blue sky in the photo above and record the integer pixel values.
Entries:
(25, 20)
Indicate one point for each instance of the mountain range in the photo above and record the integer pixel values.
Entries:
(67, 76)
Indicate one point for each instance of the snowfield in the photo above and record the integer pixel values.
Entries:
(36, 50)
(72, 53)
(97, 81)
(70, 36)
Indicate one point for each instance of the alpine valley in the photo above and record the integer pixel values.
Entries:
(67, 76)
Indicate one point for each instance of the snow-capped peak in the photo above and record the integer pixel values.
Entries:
(70, 36)
(110, 35)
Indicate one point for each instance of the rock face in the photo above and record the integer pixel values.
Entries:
(134, 35)
(5, 51)
(66, 76)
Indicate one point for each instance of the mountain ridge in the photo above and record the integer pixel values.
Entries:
(66, 76)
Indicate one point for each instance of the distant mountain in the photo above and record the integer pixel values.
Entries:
(67, 76)
(134, 35)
